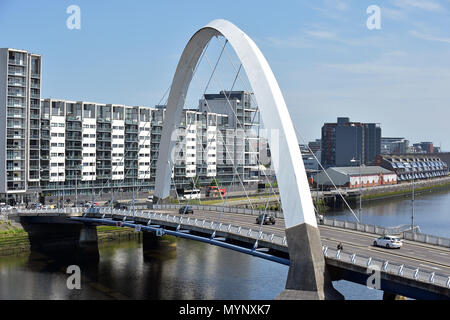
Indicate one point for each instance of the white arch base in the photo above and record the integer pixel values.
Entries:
(308, 271)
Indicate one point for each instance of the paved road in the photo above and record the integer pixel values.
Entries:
(423, 256)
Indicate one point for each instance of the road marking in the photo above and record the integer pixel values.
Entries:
(424, 265)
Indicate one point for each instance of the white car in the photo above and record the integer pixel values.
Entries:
(388, 242)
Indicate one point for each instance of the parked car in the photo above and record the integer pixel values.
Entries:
(34, 206)
(116, 204)
(79, 204)
(268, 219)
(186, 210)
(150, 199)
(388, 242)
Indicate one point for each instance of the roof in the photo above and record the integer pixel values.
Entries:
(365, 170)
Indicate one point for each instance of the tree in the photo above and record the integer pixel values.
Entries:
(214, 182)
(194, 183)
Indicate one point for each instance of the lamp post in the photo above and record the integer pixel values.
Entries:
(78, 167)
(360, 189)
(93, 182)
(412, 205)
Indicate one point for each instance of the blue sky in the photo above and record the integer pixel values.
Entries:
(327, 62)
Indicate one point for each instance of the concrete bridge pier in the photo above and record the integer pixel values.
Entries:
(308, 277)
(158, 247)
(88, 242)
(150, 241)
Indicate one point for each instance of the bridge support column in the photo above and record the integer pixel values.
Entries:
(308, 278)
(88, 242)
(150, 241)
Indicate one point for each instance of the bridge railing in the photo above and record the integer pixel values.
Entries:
(387, 267)
(220, 208)
(362, 227)
(426, 238)
(55, 211)
(407, 235)
(280, 239)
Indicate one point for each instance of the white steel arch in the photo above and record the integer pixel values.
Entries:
(286, 157)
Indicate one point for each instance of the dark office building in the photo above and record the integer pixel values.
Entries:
(343, 141)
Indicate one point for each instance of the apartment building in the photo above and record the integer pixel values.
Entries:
(89, 148)
(20, 92)
(243, 132)
(56, 147)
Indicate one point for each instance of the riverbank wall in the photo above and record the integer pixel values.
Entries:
(14, 239)
(405, 189)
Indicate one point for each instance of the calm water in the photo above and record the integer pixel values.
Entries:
(196, 270)
(431, 212)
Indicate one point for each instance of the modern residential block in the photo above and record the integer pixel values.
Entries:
(20, 92)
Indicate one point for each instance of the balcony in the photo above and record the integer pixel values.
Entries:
(16, 83)
(103, 120)
(16, 105)
(16, 94)
(73, 138)
(74, 147)
(73, 118)
(106, 139)
(16, 115)
(100, 129)
(73, 128)
(17, 72)
(15, 179)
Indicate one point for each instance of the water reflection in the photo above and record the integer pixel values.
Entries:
(431, 212)
(195, 270)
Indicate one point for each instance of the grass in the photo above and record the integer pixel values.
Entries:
(219, 200)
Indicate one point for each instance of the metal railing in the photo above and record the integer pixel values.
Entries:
(387, 267)
(384, 266)
(399, 230)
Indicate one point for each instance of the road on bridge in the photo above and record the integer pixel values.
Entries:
(414, 254)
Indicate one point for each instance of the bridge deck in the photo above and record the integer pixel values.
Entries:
(432, 261)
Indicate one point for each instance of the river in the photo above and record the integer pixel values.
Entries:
(196, 270)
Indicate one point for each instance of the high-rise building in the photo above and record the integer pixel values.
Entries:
(20, 92)
(243, 128)
(344, 140)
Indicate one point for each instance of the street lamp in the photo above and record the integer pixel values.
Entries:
(98, 162)
(412, 207)
(78, 167)
(360, 189)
